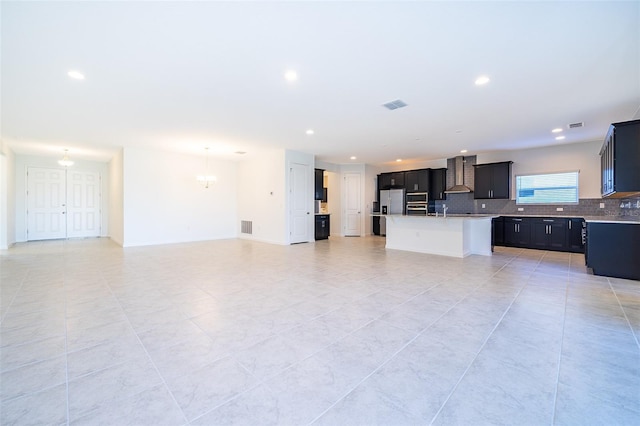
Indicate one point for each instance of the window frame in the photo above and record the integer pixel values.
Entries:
(577, 187)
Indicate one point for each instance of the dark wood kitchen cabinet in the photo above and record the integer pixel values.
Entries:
(393, 180)
(612, 249)
(576, 228)
(322, 226)
(620, 160)
(497, 231)
(417, 180)
(543, 233)
(549, 233)
(318, 191)
(517, 231)
(492, 181)
(438, 184)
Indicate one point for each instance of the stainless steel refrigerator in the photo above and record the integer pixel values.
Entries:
(391, 202)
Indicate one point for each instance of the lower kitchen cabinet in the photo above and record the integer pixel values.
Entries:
(543, 233)
(322, 226)
(576, 235)
(612, 249)
(497, 231)
(376, 225)
(517, 231)
(549, 233)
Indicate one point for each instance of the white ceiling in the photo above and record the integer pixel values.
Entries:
(184, 75)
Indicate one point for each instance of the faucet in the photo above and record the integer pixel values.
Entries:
(444, 210)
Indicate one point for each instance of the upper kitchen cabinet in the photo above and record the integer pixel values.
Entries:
(318, 191)
(620, 160)
(492, 180)
(417, 180)
(391, 180)
(438, 184)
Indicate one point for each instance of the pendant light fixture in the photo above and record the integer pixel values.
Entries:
(65, 160)
(206, 178)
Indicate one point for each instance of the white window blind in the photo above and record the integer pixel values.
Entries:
(548, 188)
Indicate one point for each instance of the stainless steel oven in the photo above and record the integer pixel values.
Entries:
(417, 210)
(417, 203)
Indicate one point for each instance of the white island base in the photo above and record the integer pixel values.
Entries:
(456, 236)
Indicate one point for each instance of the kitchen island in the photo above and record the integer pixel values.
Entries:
(453, 235)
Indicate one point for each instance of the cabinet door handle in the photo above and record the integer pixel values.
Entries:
(569, 224)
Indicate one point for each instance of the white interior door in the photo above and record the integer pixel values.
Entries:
(46, 199)
(300, 199)
(353, 203)
(83, 204)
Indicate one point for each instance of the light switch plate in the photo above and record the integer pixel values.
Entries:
(559, 209)
(520, 209)
(602, 205)
(484, 205)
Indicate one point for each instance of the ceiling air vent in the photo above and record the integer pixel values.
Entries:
(394, 104)
(575, 125)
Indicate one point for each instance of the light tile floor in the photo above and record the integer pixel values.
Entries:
(340, 332)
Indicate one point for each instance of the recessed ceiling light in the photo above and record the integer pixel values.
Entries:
(310, 132)
(463, 151)
(291, 75)
(76, 74)
(240, 152)
(398, 159)
(458, 131)
(556, 130)
(483, 79)
(353, 157)
(559, 138)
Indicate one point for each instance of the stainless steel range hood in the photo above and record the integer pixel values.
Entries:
(459, 187)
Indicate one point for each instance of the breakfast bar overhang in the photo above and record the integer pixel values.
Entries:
(453, 235)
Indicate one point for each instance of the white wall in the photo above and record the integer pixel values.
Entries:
(7, 198)
(116, 198)
(23, 162)
(414, 165)
(262, 198)
(8, 195)
(579, 156)
(163, 203)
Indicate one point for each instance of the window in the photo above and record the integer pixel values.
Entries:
(549, 188)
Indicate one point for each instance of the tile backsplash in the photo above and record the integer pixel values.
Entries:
(464, 203)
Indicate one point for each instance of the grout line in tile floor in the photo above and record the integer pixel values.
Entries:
(564, 320)
(435, 416)
(635, 337)
(148, 356)
(383, 363)
(513, 273)
(392, 356)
